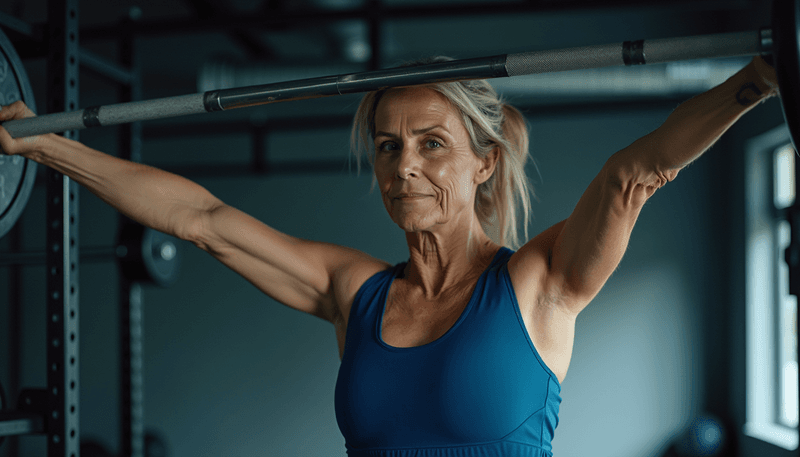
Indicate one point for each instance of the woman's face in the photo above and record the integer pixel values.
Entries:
(424, 164)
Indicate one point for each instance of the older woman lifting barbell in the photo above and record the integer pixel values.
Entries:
(461, 349)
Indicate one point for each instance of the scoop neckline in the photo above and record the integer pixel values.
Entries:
(470, 304)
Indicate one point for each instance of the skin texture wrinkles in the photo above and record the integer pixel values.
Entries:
(428, 177)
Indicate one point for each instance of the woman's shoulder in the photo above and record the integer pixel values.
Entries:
(354, 270)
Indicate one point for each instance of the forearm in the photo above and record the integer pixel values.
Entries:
(152, 197)
(699, 122)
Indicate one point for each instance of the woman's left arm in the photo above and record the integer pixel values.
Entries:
(593, 239)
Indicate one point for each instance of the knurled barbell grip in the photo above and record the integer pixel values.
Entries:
(638, 52)
(120, 113)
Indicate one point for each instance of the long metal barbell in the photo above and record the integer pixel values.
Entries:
(508, 65)
(781, 41)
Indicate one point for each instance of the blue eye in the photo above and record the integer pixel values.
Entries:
(433, 144)
(387, 146)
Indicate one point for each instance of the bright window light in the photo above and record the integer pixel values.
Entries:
(784, 177)
(771, 316)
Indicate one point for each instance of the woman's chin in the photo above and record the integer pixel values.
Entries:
(412, 225)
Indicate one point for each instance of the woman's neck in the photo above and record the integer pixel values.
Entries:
(441, 260)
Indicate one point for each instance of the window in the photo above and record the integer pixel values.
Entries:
(771, 316)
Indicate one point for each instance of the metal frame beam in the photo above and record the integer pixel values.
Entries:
(246, 39)
(62, 405)
(131, 307)
(310, 18)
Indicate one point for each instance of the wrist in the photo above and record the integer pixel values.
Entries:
(749, 87)
(762, 75)
(43, 148)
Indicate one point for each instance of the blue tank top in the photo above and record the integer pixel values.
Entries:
(480, 389)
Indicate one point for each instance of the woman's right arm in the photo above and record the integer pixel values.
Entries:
(301, 274)
(152, 197)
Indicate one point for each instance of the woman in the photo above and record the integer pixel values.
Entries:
(461, 350)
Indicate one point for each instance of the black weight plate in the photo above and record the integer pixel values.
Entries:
(163, 259)
(17, 175)
(786, 42)
(147, 255)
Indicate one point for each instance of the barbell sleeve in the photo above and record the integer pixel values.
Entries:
(527, 63)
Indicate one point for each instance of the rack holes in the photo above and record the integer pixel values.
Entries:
(72, 314)
(72, 220)
(72, 241)
(56, 295)
(72, 108)
(54, 367)
(73, 266)
(72, 409)
(72, 336)
(72, 290)
(72, 433)
(56, 318)
(72, 385)
(72, 37)
(72, 361)
(71, 83)
(72, 14)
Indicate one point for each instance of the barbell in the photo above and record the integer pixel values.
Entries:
(781, 42)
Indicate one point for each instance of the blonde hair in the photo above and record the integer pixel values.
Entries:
(505, 197)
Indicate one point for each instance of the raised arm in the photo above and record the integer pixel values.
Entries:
(308, 276)
(593, 239)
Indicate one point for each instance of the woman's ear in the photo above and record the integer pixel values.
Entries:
(487, 165)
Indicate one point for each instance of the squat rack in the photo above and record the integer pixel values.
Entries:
(54, 410)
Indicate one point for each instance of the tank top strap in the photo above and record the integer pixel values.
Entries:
(368, 302)
(501, 258)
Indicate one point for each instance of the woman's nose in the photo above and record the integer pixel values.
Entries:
(408, 163)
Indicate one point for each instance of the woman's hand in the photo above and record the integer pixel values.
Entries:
(767, 74)
(18, 146)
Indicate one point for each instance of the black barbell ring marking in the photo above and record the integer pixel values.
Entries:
(633, 53)
(91, 117)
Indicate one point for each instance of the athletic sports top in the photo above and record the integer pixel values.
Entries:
(480, 389)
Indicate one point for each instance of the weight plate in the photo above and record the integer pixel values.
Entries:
(147, 255)
(786, 42)
(17, 175)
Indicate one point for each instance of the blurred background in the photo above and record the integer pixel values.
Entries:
(229, 372)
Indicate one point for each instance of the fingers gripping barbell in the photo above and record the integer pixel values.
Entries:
(781, 41)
